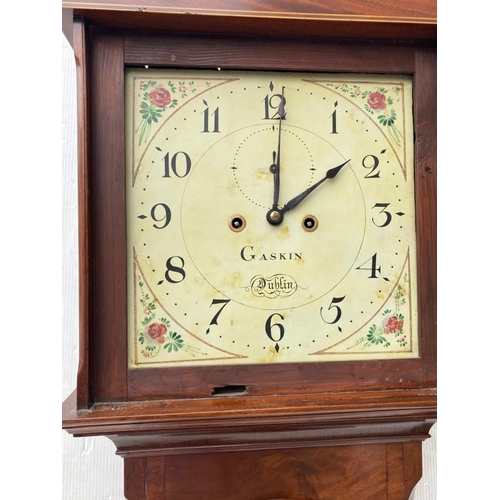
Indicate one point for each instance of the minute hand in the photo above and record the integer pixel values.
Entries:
(330, 174)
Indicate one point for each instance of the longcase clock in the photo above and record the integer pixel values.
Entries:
(257, 195)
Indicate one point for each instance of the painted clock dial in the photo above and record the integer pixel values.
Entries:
(270, 217)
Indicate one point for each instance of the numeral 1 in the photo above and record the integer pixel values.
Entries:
(334, 119)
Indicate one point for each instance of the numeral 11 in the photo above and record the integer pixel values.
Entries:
(206, 120)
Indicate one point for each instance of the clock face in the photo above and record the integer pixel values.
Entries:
(270, 218)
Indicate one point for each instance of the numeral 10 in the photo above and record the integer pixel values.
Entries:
(179, 164)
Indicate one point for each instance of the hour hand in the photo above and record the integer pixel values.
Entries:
(330, 174)
(275, 216)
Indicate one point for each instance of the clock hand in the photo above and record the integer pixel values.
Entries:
(275, 167)
(330, 174)
(276, 216)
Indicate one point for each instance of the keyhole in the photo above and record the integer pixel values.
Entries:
(237, 223)
(309, 223)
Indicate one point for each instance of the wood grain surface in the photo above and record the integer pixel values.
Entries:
(386, 471)
(381, 19)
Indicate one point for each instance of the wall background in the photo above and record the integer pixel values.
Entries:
(91, 470)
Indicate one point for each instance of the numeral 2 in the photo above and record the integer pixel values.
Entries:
(371, 162)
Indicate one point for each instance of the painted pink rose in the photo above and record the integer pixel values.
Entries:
(376, 100)
(157, 331)
(160, 97)
(392, 325)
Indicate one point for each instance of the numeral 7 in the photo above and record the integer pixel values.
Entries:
(224, 303)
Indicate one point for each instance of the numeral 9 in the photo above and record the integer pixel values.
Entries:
(161, 213)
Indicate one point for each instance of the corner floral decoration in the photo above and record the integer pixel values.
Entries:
(157, 335)
(379, 102)
(391, 327)
(156, 99)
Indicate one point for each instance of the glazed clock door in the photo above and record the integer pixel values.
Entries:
(270, 218)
